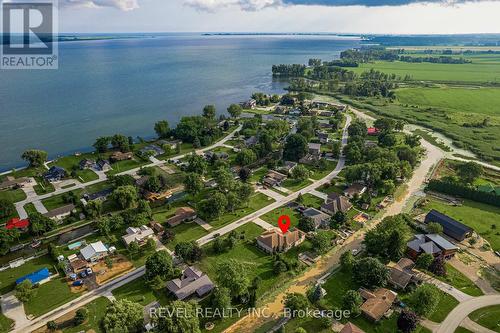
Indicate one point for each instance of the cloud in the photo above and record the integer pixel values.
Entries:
(246, 5)
(254, 5)
(125, 5)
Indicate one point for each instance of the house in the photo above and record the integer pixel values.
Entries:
(101, 195)
(77, 264)
(309, 159)
(250, 104)
(209, 155)
(377, 303)
(251, 141)
(172, 143)
(400, 273)
(139, 235)
(94, 251)
(118, 156)
(323, 137)
(54, 174)
(17, 223)
(335, 203)
(38, 277)
(103, 165)
(323, 113)
(287, 167)
(157, 196)
(87, 164)
(274, 240)
(372, 131)
(274, 178)
(354, 189)
(320, 219)
(351, 328)
(11, 182)
(152, 150)
(451, 227)
(60, 212)
(314, 149)
(157, 228)
(182, 214)
(193, 281)
(432, 244)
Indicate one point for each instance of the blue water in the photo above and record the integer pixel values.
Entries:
(126, 85)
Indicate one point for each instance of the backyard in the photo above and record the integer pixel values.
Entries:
(9, 276)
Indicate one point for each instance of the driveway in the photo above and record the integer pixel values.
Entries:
(14, 309)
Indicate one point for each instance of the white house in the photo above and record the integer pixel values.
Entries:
(94, 252)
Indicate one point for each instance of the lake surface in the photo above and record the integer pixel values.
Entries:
(125, 85)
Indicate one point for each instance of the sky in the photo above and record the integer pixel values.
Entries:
(336, 16)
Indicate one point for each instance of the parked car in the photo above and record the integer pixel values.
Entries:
(89, 271)
(77, 283)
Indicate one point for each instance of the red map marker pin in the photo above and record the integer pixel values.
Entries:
(284, 223)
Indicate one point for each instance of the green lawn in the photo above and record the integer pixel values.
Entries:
(43, 187)
(295, 185)
(318, 174)
(257, 262)
(9, 276)
(13, 195)
(57, 201)
(312, 201)
(185, 232)
(461, 329)
(86, 175)
(5, 323)
(96, 311)
(488, 317)
(455, 278)
(256, 202)
(122, 166)
(49, 296)
(272, 216)
(139, 291)
(258, 174)
(445, 305)
(481, 217)
(30, 208)
(72, 162)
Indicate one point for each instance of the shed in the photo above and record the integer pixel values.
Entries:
(36, 277)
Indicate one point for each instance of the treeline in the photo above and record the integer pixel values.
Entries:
(435, 60)
(464, 191)
(285, 70)
(372, 83)
(364, 55)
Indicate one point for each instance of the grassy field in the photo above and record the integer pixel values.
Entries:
(186, 232)
(49, 296)
(138, 291)
(455, 278)
(481, 217)
(8, 277)
(487, 70)
(5, 323)
(13, 195)
(295, 185)
(58, 200)
(487, 317)
(97, 310)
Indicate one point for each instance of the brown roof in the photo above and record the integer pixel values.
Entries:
(119, 156)
(275, 239)
(405, 263)
(192, 281)
(399, 278)
(181, 214)
(60, 211)
(351, 328)
(375, 307)
(78, 264)
(337, 203)
(354, 189)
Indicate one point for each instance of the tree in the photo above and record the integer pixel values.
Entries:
(133, 248)
(213, 207)
(300, 172)
(93, 209)
(125, 196)
(407, 321)
(338, 219)
(295, 302)
(220, 298)
(7, 238)
(387, 140)
(434, 228)
(244, 192)
(232, 274)
(424, 261)
(246, 157)
(123, 316)
(7, 208)
(34, 157)
(295, 147)
(244, 174)
(80, 316)
(109, 262)
(300, 330)
(159, 264)
(25, 291)
(279, 267)
(389, 238)
(235, 110)
(469, 171)
(370, 273)
(347, 261)
(352, 301)
(316, 293)
(188, 251)
(162, 129)
(438, 266)
(120, 142)
(184, 318)
(196, 164)
(51, 325)
(425, 299)
(306, 224)
(225, 180)
(101, 144)
(321, 242)
(40, 224)
(209, 112)
(385, 124)
(193, 183)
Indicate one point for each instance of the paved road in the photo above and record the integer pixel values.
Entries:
(463, 309)
(283, 200)
(20, 205)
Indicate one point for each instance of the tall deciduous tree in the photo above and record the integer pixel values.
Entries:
(209, 112)
(232, 275)
(370, 273)
(388, 240)
(123, 316)
(159, 264)
(234, 110)
(295, 147)
(125, 196)
(184, 318)
(35, 157)
(162, 129)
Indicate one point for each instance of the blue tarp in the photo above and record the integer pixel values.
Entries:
(35, 277)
